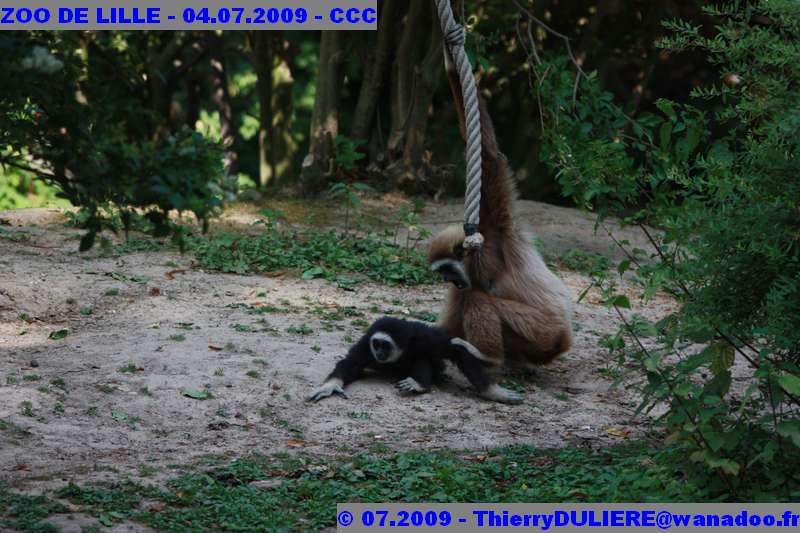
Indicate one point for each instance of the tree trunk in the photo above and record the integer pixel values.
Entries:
(222, 99)
(263, 49)
(409, 54)
(427, 76)
(192, 100)
(325, 117)
(282, 109)
(159, 64)
(374, 72)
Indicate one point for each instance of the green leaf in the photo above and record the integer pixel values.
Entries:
(624, 266)
(668, 108)
(723, 357)
(790, 430)
(58, 334)
(315, 272)
(790, 384)
(195, 394)
(118, 415)
(665, 134)
(726, 465)
(620, 300)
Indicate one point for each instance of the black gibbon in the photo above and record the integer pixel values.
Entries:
(415, 352)
(504, 300)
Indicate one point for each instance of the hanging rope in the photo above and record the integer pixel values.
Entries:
(454, 37)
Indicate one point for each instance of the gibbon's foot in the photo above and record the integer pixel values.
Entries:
(500, 394)
(410, 385)
(330, 387)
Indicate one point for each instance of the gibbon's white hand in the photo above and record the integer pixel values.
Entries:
(330, 387)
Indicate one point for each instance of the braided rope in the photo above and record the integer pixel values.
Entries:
(454, 37)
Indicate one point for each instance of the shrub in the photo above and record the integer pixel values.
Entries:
(719, 179)
(84, 127)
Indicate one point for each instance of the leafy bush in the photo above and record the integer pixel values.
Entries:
(79, 125)
(720, 181)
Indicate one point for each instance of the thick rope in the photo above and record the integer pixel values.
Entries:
(454, 38)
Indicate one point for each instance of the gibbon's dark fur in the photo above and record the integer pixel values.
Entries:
(505, 301)
(414, 351)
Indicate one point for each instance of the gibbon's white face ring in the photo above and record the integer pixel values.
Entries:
(379, 338)
(453, 271)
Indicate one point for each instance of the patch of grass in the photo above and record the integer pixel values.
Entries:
(147, 470)
(300, 330)
(130, 368)
(26, 409)
(213, 495)
(586, 263)
(112, 292)
(425, 316)
(32, 377)
(59, 383)
(86, 311)
(140, 245)
(177, 338)
(58, 334)
(13, 428)
(22, 512)
(313, 253)
(253, 374)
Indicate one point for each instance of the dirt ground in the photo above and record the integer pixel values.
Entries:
(110, 398)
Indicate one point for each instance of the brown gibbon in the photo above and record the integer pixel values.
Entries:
(504, 300)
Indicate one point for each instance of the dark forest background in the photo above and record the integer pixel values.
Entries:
(367, 106)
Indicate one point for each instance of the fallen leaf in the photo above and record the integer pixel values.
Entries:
(171, 273)
(155, 291)
(275, 274)
(58, 334)
(20, 466)
(621, 433)
(295, 443)
(195, 394)
(214, 348)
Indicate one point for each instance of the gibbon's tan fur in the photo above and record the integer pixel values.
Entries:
(514, 310)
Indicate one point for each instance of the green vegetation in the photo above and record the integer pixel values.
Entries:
(314, 253)
(302, 491)
(718, 178)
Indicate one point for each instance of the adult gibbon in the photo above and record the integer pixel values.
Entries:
(504, 299)
(413, 351)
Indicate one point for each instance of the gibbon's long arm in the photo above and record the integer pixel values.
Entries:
(345, 372)
(421, 378)
(497, 190)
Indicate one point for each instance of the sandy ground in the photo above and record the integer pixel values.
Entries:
(110, 398)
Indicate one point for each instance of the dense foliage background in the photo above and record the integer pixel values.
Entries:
(670, 114)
